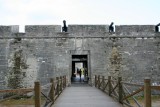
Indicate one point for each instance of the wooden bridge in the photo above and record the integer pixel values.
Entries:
(105, 92)
(84, 96)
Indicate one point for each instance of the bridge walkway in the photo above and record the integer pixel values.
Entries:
(83, 95)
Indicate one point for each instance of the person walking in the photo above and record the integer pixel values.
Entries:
(80, 74)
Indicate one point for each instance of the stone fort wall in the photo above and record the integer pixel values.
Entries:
(43, 51)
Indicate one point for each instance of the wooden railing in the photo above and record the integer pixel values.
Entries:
(50, 91)
(118, 89)
(56, 85)
(13, 93)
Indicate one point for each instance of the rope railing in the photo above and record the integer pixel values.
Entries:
(120, 90)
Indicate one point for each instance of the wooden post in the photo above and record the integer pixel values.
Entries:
(109, 85)
(57, 78)
(65, 81)
(52, 92)
(99, 81)
(37, 92)
(120, 92)
(95, 80)
(103, 83)
(147, 92)
(61, 83)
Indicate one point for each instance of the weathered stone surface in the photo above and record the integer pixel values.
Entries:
(42, 30)
(88, 30)
(47, 52)
(135, 30)
(6, 31)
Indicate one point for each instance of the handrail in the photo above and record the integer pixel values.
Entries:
(17, 90)
(155, 87)
(132, 84)
(55, 87)
(117, 89)
(125, 88)
(139, 90)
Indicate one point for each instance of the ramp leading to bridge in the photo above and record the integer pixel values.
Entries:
(82, 95)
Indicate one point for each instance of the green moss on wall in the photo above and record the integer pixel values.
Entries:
(16, 75)
(115, 63)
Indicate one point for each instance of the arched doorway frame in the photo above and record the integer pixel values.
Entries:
(81, 52)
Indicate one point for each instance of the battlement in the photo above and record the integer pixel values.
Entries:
(42, 30)
(80, 30)
(6, 31)
(89, 29)
(135, 30)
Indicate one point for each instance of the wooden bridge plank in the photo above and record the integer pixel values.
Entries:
(85, 97)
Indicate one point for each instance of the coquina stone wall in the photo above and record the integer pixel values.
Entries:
(43, 51)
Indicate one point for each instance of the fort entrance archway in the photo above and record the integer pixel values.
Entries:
(79, 69)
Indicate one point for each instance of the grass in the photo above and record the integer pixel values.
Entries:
(140, 99)
(20, 101)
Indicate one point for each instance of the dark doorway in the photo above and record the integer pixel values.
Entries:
(79, 69)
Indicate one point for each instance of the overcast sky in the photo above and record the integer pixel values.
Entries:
(53, 12)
